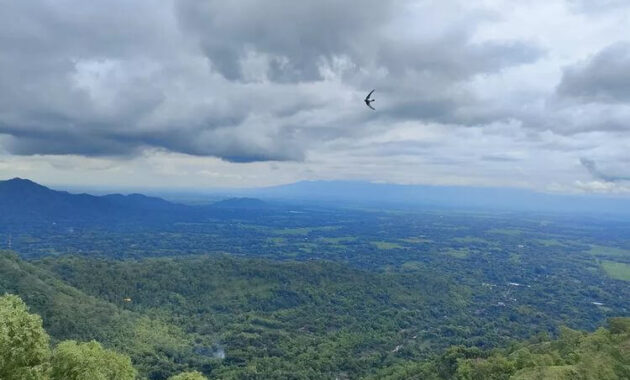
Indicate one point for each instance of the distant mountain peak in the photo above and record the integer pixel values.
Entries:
(21, 181)
(23, 199)
(23, 186)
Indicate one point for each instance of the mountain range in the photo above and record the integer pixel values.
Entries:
(24, 201)
(360, 193)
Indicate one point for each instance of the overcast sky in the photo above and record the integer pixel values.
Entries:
(204, 93)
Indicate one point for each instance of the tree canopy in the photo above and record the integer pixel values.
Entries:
(25, 352)
(24, 345)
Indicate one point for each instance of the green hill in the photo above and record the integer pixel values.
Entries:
(69, 313)
(274, 319)
(601, 355)
(234, 318)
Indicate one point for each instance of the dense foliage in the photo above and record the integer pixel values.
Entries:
(25, 353)
(272, 318)
(602, 355)
(233, 317)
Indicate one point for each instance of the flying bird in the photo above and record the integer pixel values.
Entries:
(368, 100)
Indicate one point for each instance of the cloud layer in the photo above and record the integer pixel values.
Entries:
(484, 93)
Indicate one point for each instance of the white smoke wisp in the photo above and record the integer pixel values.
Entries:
(219, 353)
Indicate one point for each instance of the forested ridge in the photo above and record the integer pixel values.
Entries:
(603, 355)
(248, 318)
(25, 353)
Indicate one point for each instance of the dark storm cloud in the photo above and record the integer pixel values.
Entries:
(592, 168)
(603, 78)
(296, 35)
(240, 80)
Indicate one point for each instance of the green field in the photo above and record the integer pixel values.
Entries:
(600, 250)
(337, 240)
(515, 258)
(470, 239)
(618, 271)
(276, 240)
(505, 231)
(458, 253)
(416, 240)
(412, 265)
(293, 231)
(550, 242)
(385, 245)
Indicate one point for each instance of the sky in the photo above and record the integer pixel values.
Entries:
(202, 93)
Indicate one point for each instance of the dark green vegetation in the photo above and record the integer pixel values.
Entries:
(25, 353)
(232, 318)
(602, 355)
(246, 289)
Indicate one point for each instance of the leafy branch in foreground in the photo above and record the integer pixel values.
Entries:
(25, 352)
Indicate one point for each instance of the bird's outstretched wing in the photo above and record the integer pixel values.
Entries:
(369, 105)
(370, 94)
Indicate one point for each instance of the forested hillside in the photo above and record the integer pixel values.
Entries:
(70, 314)
(234, 317)
(602, 355)
(276, 319)
(25, 353)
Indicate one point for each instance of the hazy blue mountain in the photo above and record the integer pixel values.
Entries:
(26, 203)
(22, 200)
(377, 194)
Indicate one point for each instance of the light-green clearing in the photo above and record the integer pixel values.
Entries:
(515, 258)
(618, 271)
(385, 245)
(458, 253)
(307, 247)
(412, 265)
(416, 240)
(293, 231)
(550, 242)
(276, 240)
(600, 250)
(504, 231)
(337, 240)
(470, 239)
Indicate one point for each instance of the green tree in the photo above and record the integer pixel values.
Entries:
(619, 325)
(24, 344)
(494, 368)
(188, 376)
(89, 361)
